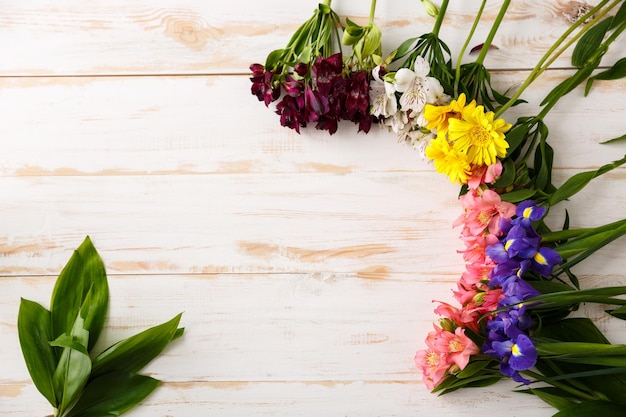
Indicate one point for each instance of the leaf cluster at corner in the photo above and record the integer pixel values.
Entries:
(57, 345)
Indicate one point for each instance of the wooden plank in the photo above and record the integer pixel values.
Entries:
(333, 399)
(360, 223)
(212, 125)
(191, 37)
(272, 344)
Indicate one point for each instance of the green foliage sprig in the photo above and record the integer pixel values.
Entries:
(58, 345)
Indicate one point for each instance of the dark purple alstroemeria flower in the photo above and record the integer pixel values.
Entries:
(262, 86)
(291, 111)
(293, 87)
(358, 100)
(325, 71)
(315, 103)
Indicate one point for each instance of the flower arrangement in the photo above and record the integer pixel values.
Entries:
(514, 299)
(58, 345)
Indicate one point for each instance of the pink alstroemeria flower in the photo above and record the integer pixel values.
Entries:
(433, 365)
(482, 212)
(458, 347)
(483, 174)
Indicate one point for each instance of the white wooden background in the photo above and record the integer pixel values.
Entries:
(305, 264)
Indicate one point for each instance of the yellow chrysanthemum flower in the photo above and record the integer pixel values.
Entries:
(478, 136)
(448, 161)
(438, 116)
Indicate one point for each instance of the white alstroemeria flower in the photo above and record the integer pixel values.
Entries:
(420, 140)
(412, 85)
(434, 92)
(382, 96)
(397, 122)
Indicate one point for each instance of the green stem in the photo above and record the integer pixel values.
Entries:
(372, 12)
(440, 16)
(579, 34)
(327, 2)
(549, 57)
(492, 32)
(465, 45)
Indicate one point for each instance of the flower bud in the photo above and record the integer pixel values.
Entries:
(479, 298)
(454, 369)
(430, 8)
(447, 325)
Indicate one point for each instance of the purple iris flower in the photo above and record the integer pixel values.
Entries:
(527, 212)
(545, 260)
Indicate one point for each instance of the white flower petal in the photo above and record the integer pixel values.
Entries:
(421, 67)
(403, 79)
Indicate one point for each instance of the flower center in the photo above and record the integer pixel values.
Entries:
(432, 359)
(480, 136)
(515, 350)
(455, 346)
(484, 217)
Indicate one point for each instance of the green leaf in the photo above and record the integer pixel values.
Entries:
(564, 298)
(519, 133)
(352, 34)
(617, 139)
(619, 312)
(579, 181)
(473, 368)
(589, 43)
(34, 327)
(272, 60)
(113, 394)
(567, 85)
(518, 195)
(132, 354)
(580, 350)
(81, 286)
(557, 400)
(583, 247)
(590, 408)
(404, 48)
(508, 174)
(617, 71)
(74, 366)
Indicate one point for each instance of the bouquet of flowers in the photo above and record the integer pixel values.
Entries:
(312, 80)
(513, 301)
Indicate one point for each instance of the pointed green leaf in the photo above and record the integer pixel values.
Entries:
(581, 248)
(617, 139)
(557, 400)
(579, 181)
(567, 85)
(617, 71)
(34, 327)
(81, 286)
(404, 48)
(590, 408)
(581, 349)
(473, 368)
(619, 312)
(518, 195)
(113, 394)
(132, 354)
(508, 174)
(589, 43)
(74, 366)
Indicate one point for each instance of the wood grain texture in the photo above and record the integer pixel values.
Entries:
(194, 37)
(306, 265)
